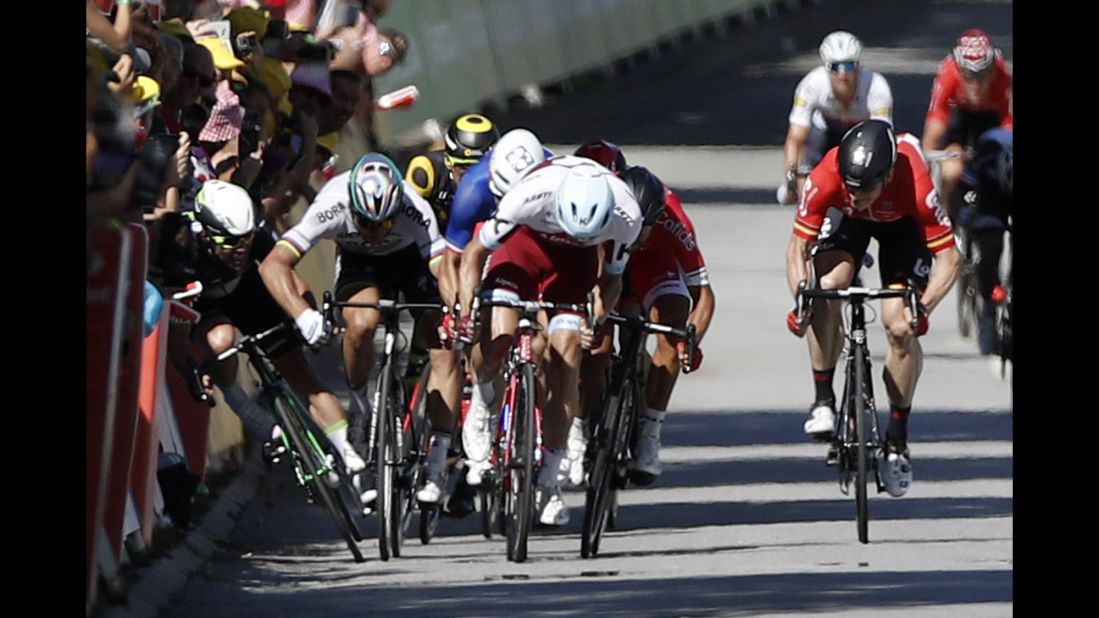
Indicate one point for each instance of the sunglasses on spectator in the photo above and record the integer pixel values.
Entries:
(374, 225)
(848, 66)
(203, 80)
(226, 241)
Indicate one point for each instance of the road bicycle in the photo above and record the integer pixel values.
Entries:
(614, 430)
(857, 443)
(316, 465)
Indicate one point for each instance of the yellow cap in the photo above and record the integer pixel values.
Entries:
(223, 55)
(145, 89)
(273, 75)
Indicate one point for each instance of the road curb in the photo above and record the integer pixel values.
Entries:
(151, 588)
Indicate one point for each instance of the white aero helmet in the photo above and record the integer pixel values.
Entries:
(225, 208)
(517, 152)
(376, 188)
(584, 203)
(840, 46)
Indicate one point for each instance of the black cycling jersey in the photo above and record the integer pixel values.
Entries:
(432, 179)
(182, 258)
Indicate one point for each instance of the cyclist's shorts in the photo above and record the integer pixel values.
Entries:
(402, 271)
(966, 126)
(251, 309)
(540, 269)
(902, 252)
(650, 274)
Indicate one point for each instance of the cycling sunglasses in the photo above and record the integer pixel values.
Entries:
(375, 225)
(847, 66)
(226, 241)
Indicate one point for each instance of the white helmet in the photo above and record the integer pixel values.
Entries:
(584, 203)
(840, 46)
(517, 152)
(225, 208)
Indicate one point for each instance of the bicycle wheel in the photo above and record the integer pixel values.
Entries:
(414, 454)
(522, 468)
(308, 456)
(967, 292)
(861, 451)
(611, 439)
(384, 437)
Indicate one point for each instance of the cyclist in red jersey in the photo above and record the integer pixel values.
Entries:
(971, 94)
(666, 276)
(872, 185)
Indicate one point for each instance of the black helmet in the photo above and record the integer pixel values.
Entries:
(867, 153)
(647, 190)
(469, 138)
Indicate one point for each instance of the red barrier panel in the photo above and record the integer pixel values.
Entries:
(109, 260)
(143, 475)
(129, 364)
(193, 419)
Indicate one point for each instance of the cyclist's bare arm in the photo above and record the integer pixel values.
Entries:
(796, 137)
(473, 261)
(933, 133)
(797, 262)
(609, 288)
(703, 298)
(448, 277)
(944, 270)
(277, 272)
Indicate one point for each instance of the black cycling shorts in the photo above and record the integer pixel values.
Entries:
(403, 271)
(251, 308)
(966, 126)
(902, 253)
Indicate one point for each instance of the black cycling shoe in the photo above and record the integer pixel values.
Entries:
(462, 501)
(272, 452)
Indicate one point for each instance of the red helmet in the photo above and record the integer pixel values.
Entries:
(604, 153)
(974, 51)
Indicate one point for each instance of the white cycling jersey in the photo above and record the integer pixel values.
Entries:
(330, 217)
(531, 203)
(816, 106)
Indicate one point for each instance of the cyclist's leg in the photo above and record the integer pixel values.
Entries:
(660, 285)
(834, 258)
(903, 256)
(508, 276)
(571, 275)
(216, 334)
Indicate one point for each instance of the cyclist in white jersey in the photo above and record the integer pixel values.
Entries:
(388, 242)
(828, 101)
(547, 242)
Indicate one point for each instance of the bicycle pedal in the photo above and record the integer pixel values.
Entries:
(832, 459)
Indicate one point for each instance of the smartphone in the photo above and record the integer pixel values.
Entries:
(250, 131)
(246, 44)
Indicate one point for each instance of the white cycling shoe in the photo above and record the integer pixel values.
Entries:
(896, 471)
(551, 508)
(476, 432)
(570, 473)
(822, 420)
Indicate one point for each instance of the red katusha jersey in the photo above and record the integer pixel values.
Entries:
(909, 193)
(947, 93)
(674, 232)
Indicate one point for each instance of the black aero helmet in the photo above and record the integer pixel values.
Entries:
(867, 153)
(469, 138)
(647, 190)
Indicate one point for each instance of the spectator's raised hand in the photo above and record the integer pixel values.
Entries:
(124, 69)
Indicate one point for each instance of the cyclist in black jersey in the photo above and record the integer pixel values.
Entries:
(436, 174)
(218, 245)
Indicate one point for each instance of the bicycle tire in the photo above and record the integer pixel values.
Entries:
(307, 455)
(602, 491)
(489, 511)
(862, 466)
(522, 467)
(385, 468)
(967, 291)
(414, 464)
